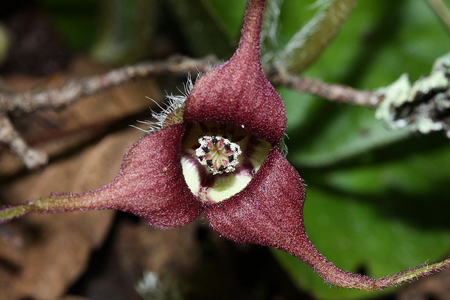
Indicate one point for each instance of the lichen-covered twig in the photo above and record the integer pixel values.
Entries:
(32, 158)
(422, 106)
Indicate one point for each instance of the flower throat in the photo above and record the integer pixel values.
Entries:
(219, 161)
(218, 154)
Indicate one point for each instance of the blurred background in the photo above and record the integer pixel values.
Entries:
(377, 198)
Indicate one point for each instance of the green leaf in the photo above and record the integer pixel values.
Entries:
(345, 132)
(386, 38)
(294, 14)
(417, 168)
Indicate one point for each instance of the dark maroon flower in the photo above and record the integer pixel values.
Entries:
(218, 151)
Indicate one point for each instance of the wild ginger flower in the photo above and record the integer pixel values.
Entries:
(217, 151)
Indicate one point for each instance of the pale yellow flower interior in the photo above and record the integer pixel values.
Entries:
(220, 186)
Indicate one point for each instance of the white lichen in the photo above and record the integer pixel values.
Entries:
(394, 95)
(422, 106)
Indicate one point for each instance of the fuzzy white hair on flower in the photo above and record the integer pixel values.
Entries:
(173, 103)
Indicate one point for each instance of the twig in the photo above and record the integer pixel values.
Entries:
(332, 92)
(74, 90)
(32, 158)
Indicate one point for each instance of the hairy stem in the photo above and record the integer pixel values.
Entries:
(52, 204)
(305, 250)
(14, 212)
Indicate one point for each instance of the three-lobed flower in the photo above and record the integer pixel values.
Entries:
(218, 151)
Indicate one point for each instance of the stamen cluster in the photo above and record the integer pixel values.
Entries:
(218, 154)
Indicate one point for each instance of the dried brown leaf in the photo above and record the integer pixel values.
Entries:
(51, 251)
(161, 251)
(59, 131)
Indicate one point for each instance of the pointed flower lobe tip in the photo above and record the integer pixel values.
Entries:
(237, 93)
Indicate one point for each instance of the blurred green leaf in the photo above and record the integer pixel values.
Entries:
(201, 28)
(127, 28)
(300, 108)
(75, 21)
(228, 15)
(344, 132)
(294, 14)
(412, 169)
